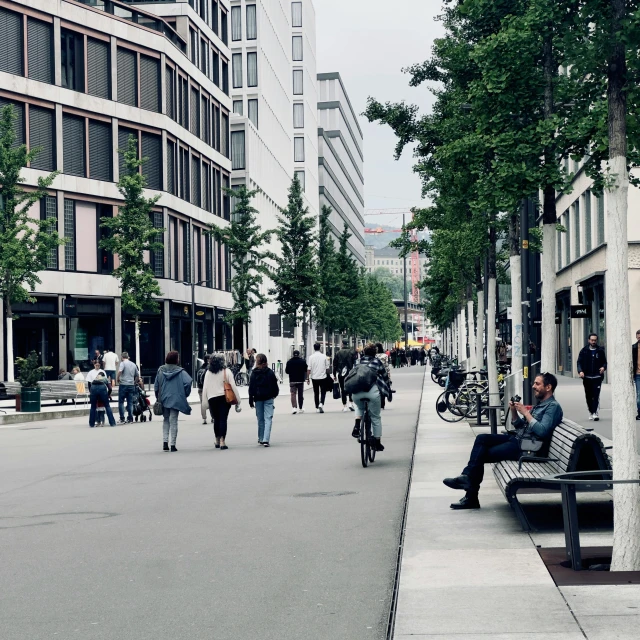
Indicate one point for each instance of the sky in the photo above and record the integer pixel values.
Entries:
(369, 42)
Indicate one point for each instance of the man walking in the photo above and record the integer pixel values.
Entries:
(636, 371)
(110, 363)
(592, 363)
(297, 371)
(126, 379)
(318, 373)
(343, 362)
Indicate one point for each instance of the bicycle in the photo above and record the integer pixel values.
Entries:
(367, 451)
(242, 379)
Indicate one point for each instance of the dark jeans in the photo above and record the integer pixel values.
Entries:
(319, 391)
(100, 392)
(343, 393)
(297, 394)
(636, 379)
(592, 388)
(125, 391)
(489, 448)
(219, 410)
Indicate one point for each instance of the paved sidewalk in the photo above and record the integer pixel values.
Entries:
(476, 574)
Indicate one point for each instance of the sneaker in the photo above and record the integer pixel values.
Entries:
(165, 446)
(352, 407)
(596, 417)
(591, 416)
(173, 447)
(122, 421)
(294, 412)
(356, 431)
(300, 410)
(345, 409)
(265, 444)
(317, 410)
(321, 409)
(204, 422)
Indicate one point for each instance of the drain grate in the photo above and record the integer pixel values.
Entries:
(324, 494)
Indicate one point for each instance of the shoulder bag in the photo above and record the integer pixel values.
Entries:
(229, 394)
(158, 409)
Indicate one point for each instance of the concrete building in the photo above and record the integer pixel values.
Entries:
(389, 258)
(341, 159)
(274, 125)
(83, 76)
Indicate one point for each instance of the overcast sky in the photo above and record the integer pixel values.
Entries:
(369, 42)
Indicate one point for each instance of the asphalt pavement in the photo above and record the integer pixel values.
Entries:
(104, 536)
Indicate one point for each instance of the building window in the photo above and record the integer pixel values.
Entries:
(100, 150)
(226, 200)
(587, 221)
(205, 119)
(296, 14)
(73, 140)
(39, 50)
(186, 252)
(237, 107)
(252, 69)
(171, 167)
(215, 68)
(18, 127)
(157, 257)
(297, 82)
(559, 247)
(196, 188)
(70, 235)
(236, 64)
(253, 111)
(194, 46)
(237, 150)
(183, 99)
(576, 228)
(236, 23)
(252, 26)
(127, 77)
(170, 92)
(98, 69)
(298, 115)
(41, 134)
(567, 224)
(150, 83)
(152, 168)
(204, 57)
(123, 145)
(72, 58)
(195, 115)
(214, 17)
(49, 211)
(300, 176)
(297, 48)
(224, 30)
(225, 77)
(224, 135)
(601, 219)
(11, 37)
(298, 149)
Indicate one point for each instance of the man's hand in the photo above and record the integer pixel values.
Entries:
(251, 404)
(522, 410)
(581, 374)
(601, 371)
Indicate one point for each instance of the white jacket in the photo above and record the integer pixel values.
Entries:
(213, 386)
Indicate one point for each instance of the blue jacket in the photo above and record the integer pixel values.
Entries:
(546, 417)
(174, 384)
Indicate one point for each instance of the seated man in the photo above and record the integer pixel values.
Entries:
(539, 423)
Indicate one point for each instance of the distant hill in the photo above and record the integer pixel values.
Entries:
(381, 240)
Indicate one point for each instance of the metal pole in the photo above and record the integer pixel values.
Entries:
(524, 262)
(193, 332)
(406, 313)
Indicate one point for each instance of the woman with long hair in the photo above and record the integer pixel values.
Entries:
(263, 388)
(213, 398)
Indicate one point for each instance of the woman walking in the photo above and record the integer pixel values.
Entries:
(213, 398)
(263, 388)
(172, 388)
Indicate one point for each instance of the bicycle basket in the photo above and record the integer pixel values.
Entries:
(456, 378)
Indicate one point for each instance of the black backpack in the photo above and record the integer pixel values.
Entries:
(202, 372)
(360, 379)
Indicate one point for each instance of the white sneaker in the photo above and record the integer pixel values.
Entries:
(352, 407)
(345, 409)
(294, 411)
(321, 409)
(300, 410)
(317, 410)
(591, 416)
(596, 417)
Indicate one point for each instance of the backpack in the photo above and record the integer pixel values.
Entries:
(202, 372)
(360, 379)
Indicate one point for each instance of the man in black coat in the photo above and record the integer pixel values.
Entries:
(592, 363)
(296, 369)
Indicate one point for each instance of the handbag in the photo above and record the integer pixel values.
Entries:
(336, 391)
(158, 409)
(530, 444)
(229, 394)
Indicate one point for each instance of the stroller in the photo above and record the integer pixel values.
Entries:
(141, 404)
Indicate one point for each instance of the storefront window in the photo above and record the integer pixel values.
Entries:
(91, 330)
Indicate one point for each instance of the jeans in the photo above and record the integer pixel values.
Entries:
(297, 394)
(636, 379)
(125, 391)
(99, 392)
(343, 393)
(592, 388)
(264, 413)
(170, 425)
(373, 396)
(319, 392)
(489, 448)
(219, 409)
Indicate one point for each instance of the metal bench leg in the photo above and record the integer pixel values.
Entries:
(522, 517)
(571, 528)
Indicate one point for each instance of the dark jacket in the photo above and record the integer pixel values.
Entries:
(634, 355)
(296, 369)
(263, 385)
(344, 358)
(200, 374)
(174, 384)
(590, 363)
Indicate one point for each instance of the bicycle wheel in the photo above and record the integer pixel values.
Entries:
(364, 442)
(371, 448)
(442, 409)
(239, 379)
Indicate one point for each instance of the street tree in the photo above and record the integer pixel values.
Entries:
(246, 242)
(348, 288)
(130, 235)
(26, 242)
(296, 285)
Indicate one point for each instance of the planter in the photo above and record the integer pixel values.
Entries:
(28, 400)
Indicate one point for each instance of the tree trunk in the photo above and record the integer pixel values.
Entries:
(472, 333)
(480, 329)
(137, 334)
(492, 369)
(462, 324)
(10, 357)
(626, 497)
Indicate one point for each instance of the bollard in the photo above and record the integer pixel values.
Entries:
(493, 421)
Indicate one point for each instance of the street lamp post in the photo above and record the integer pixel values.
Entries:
(526, 315)
(406, 313)
(194, 353)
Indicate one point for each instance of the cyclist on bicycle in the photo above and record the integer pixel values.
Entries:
(377, 390)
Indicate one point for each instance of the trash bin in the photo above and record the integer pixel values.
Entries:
(30, 399)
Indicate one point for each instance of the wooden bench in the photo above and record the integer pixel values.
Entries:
(64, 390)
(572, 448)
(9, 389)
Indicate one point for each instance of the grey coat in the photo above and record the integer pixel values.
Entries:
(174, 385)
